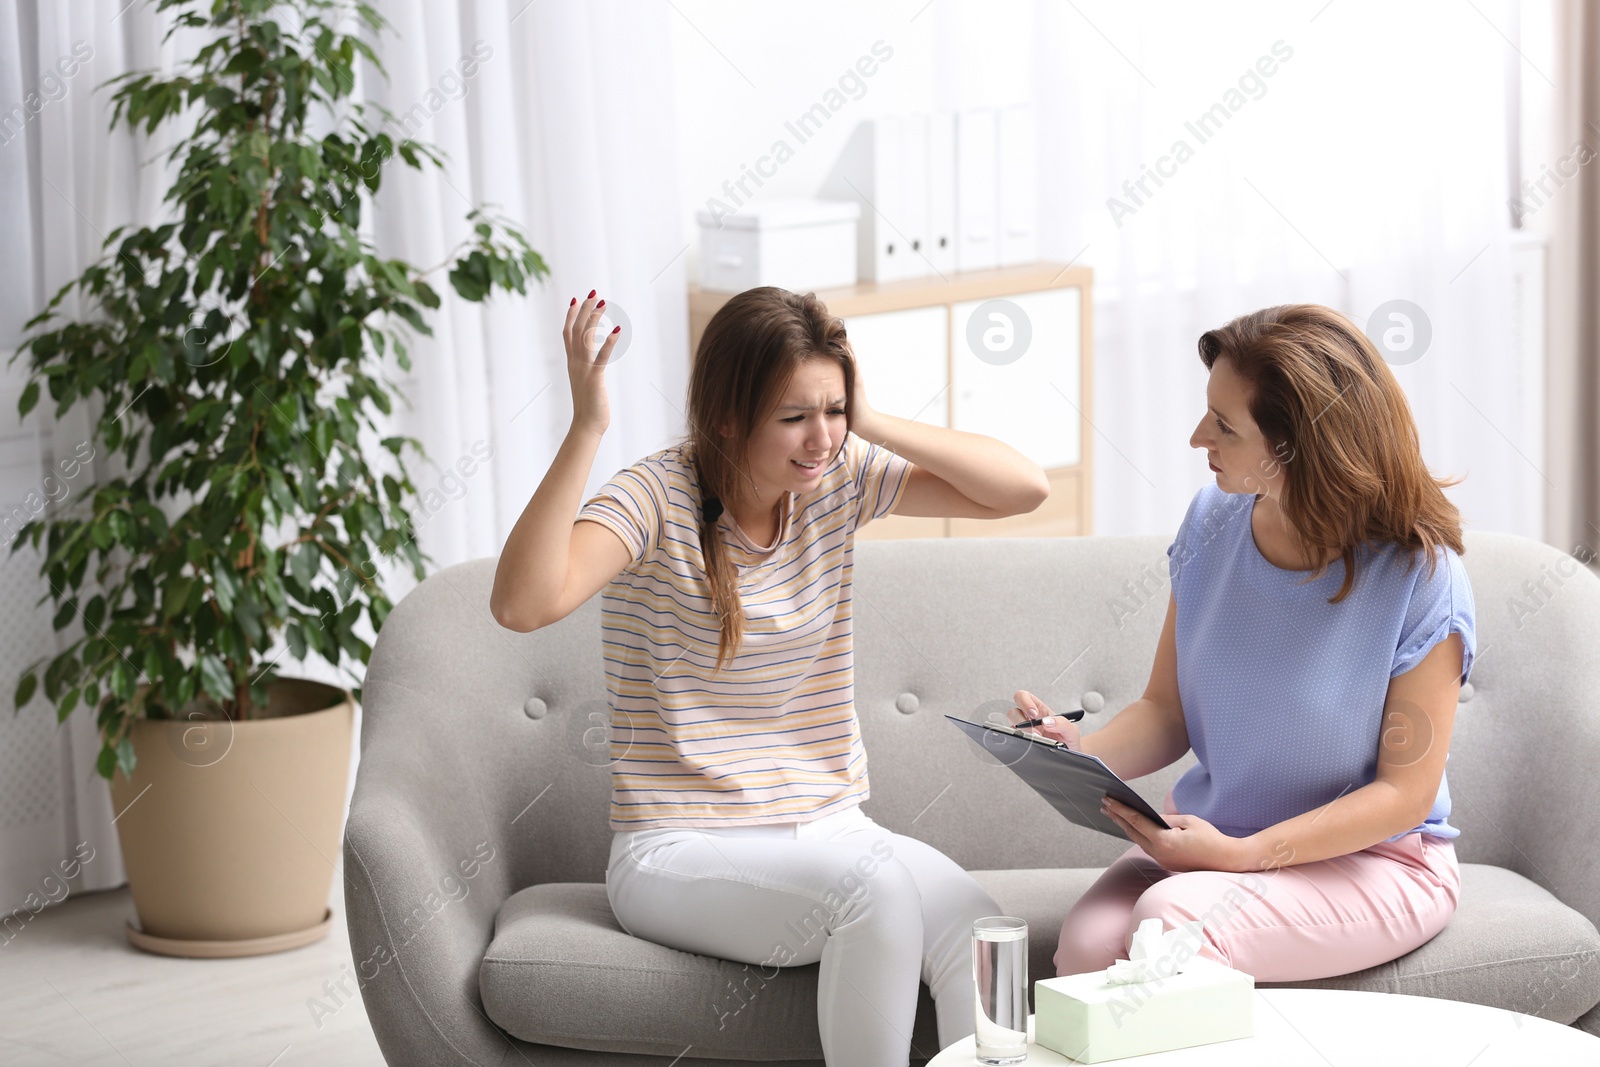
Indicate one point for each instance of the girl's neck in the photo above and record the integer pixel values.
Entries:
(759, 520)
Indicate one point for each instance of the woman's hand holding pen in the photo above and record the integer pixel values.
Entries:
(1032, 711)
(1191, 843)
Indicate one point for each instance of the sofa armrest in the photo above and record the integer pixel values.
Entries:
(425, 872)
(1534, 720)
(1554, 809)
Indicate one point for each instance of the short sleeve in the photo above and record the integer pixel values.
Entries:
(630, 505)
(1441, 604)
(878, 477)
(1178, 553)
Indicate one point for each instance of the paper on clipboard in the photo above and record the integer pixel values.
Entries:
(1072, 782)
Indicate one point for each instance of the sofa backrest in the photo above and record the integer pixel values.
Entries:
(517, 723)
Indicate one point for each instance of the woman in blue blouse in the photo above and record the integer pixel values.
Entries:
(1318, 632)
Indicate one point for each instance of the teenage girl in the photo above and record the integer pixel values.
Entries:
(727, 616)
(1319, 628)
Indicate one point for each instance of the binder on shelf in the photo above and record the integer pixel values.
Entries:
(977, 208)
(912, 221)
(940, 249)
(1016, 164)
(944, 192)
(868, 172)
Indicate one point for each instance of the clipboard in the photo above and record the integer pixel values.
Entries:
(1072, 782)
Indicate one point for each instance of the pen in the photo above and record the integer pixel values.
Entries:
(1070, 716)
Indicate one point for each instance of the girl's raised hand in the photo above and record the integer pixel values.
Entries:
(586, 366)
(1058, 728)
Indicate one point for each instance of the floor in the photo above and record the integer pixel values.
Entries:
(73, 991)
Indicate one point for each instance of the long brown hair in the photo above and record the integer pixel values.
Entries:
(748, 354)
(1331, 410)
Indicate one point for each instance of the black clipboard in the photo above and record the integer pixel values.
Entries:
(1073, 782)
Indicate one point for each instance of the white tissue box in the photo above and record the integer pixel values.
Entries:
(1089, 1020)
(799, 245)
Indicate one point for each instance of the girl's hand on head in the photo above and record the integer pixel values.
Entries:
(1057, 728)
(862, 415)
(585, 365)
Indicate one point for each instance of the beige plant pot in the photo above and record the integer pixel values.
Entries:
(231, 831)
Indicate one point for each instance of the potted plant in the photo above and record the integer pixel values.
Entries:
(235, 357)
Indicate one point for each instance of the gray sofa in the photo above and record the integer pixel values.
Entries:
(476, 845)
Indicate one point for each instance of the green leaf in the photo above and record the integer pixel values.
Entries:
(94, 613)
(303, 563)
(30, 397)
(125, 757)
(157, 521)
(25, 690)
(322, 436)
(175, 597)
(106, 764)
(225, 586)
(122, 680)
(297, 641)
(214, 677)
(64, 615)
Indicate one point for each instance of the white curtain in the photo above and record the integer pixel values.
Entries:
(65, 185)
(567, 125)
(1358, 156)
(563, 121)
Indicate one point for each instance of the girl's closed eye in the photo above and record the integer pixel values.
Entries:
(1221, 427)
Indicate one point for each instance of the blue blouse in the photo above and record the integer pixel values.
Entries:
(1283, 693)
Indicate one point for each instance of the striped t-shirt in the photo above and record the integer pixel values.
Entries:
(773, 736)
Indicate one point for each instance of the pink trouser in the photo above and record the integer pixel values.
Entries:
(1286, 924)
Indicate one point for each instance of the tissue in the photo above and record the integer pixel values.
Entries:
(1156, 953)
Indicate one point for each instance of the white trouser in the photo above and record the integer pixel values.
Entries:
(879, 911)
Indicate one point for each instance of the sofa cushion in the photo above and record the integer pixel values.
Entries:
(1510, 944)
(561, 971)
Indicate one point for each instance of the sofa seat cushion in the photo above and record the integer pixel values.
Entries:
(562, 971)
(1510, 944)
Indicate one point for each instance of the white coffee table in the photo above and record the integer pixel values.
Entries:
(1345, 1027)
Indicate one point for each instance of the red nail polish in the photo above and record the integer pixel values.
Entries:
(590, 296)
(600, 305)
(616, 329)
(574, 301)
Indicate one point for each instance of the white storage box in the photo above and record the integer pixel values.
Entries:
(799, 245)
(1086, 1019)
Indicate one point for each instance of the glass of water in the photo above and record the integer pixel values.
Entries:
(1000, 978)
